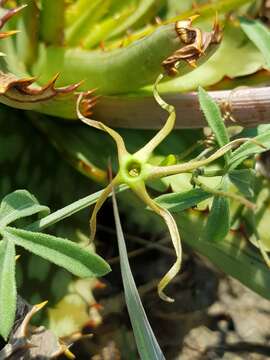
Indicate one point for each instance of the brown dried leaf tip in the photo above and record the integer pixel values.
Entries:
(20, 90)
(197, 43)
(8, 14)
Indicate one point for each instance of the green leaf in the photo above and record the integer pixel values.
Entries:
(80, 262)
(218, 222)
(19, 204)
(243, 179)
(214, 118)
(177, 202)
(250, 148)
(259, 34)
(147, 344)
(7, 287)
(234, 255)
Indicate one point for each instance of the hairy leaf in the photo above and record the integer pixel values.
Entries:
(250, 148)
(218, 222)
(19, 204)
(7, 287)
(243, 179)
(180, 201)
(80, 262)
(214, 118)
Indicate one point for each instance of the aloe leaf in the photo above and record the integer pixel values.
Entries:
(7, 287)
(244, 180)
(259, 34)
(218, 222)
(80, 262)
(177, 202)
(250, 148)
(145, 11)
(19, 204)
(52, 30)
(147, 344)
(85, 21)
(214, 119)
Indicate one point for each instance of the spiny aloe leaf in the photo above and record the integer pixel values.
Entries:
(7, 287)
(259, 34)
(19, 204)
(80, 262)
(147, 344)
(22, 93)
(214, 118)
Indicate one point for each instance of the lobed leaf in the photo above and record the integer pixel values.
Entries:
(8, 291)
(62, 252)
(214, 119)
(177, 202)
(259, 34)
(19, 204)
(147, 344)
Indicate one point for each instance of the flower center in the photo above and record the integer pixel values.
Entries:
(134, 169)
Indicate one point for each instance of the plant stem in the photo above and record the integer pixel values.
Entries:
(68, 210)
(52, 21)
(227, 194)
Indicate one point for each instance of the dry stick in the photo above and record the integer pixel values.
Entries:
(251, 107)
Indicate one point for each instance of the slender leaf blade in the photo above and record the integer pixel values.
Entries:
(259, 34)
(177, 202)
(214, 119)
(8, 291)
(18, 204)
(218, 222)
(79, 261)
(147, 344)
(250, 148)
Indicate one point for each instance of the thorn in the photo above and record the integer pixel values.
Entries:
(6, 34)
(68, 353)
(193, 18)
(192, 63)
(38, 307)
(17, 257)
(97, 306)
(100, 285)
(9, 14)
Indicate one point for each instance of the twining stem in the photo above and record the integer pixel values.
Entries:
(121, 148)
(69, 210)
(145, 152)
(52, 21)
(141, 192)
(240, 199)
